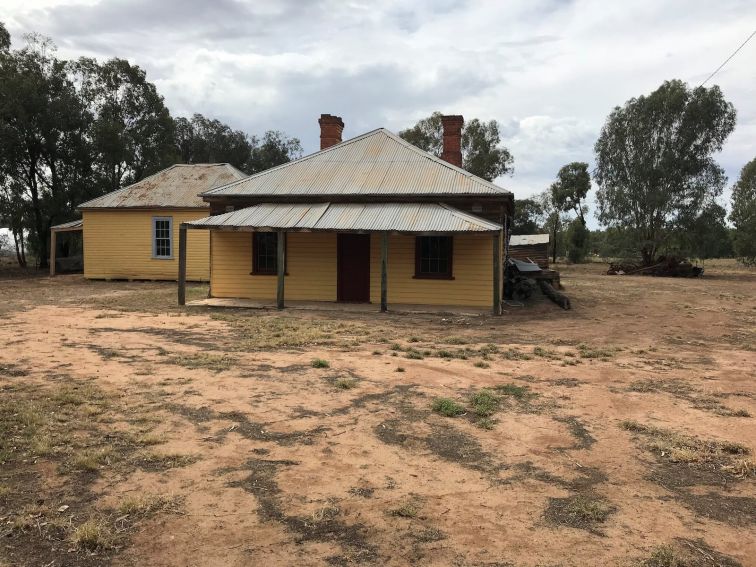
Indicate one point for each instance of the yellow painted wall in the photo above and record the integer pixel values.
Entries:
(472, 267)
(310, 265)
(118, 244)
(311, 268)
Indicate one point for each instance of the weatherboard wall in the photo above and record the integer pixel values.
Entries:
(118, 245)
(312, 270)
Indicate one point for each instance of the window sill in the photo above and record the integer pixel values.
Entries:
(163, 258)
(266, 273)
(431, 277)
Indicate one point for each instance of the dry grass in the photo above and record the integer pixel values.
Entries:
(678, 448)
(203, 360)
(93, 535)
(144, 505)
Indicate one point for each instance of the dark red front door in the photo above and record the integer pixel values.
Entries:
(353, 267)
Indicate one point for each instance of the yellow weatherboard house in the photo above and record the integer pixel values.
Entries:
(372, 219)
(132, 233)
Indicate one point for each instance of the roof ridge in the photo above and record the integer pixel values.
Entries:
(474, 179)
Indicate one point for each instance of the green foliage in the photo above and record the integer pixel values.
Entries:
(5, 39)
(707, 235)
(553, 223)
(45, 151)
(484, 403)
(202, 140)
(654, 163)
(578, 241)
(743, 214)
(571, 187)
(132, 130)
(447, 407)
(273, 149)
(72, 131)
(319, 363)
(482, 154)
(528, 216)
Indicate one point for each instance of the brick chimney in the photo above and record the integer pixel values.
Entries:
(330, 130)
(452, 139)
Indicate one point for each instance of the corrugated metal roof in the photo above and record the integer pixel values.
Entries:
(72, 225)
(378, 163)
(368, 217)
(527, 239)
(176, 186)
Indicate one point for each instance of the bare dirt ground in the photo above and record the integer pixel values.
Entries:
(621, 432)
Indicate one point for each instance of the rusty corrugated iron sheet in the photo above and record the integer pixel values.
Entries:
(528, 239)
(178, 186)
(378, 163)
(72, 225)
(355, 217)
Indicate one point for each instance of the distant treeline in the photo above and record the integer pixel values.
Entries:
(74, 130)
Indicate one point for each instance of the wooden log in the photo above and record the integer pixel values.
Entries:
(556, 296)
(182, 265)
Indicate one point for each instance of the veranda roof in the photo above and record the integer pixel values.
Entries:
(349, 217)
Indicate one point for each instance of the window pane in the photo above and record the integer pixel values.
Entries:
(162, 237)
(435, 255)
(266, 252)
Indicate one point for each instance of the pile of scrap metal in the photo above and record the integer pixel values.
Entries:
(665, 266)
(523, 278)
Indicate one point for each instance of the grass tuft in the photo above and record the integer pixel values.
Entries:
(92, 535)
(144, 505)
(345, 383)
(320, 363)
(406, 510)
(518, 392)
(447, 407)
(484, 403)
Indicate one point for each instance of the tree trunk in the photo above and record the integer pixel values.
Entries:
(20, 253)
(648, 255)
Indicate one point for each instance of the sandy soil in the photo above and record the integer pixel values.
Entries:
(252, 455)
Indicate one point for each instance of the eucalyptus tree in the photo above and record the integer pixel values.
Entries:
(654, 161)
(743, 214)
(482, 152)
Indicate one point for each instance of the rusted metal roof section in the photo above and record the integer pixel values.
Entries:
(378, 163)
(528, 239)
(72, 225)
(349, 217)
(175, 187)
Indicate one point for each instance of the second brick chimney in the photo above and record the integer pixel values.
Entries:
(452, 151)
(330, 130)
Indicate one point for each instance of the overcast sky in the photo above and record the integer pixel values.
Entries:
(548, 71)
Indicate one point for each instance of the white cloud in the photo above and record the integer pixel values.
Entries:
(548, 70)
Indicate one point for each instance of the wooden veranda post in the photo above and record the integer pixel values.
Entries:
(281, 265)
(182, 265)
(384, 272)
(53, 248)
(497, 273)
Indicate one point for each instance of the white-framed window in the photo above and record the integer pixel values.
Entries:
(162, 237)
